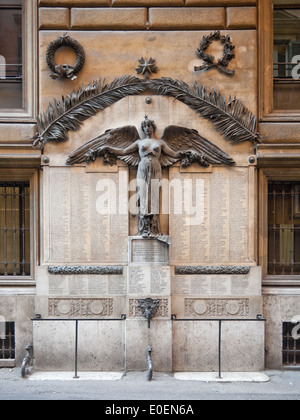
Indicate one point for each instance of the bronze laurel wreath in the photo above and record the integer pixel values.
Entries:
(222, 63)
(65, 71)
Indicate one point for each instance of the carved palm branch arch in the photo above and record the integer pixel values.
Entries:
(230, 118)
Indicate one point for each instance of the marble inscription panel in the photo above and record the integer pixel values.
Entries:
(224, 285)
(218, 231)
(81, 231)
(149, 281)
(90, 285)
(147, 251)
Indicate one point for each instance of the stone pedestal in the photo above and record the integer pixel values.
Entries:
(149, 276)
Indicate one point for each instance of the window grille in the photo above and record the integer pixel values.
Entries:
(284, 228)
(14, 229)
(7, 342)
(290, 346)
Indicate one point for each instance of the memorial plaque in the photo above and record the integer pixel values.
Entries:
(148, 251)
(88, 285)
(213, 229)
(81, 231)
(149, 281)
(218, 285)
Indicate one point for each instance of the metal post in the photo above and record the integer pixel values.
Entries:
(76, 350)
(220, 349)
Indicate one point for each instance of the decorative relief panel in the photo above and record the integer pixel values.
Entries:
(135, 311)
(80, 270)
(217, 307)
(80, 307)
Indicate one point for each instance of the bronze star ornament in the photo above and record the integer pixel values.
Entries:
(147, 67)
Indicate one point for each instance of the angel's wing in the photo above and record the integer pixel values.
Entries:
(184, 139)
(120, 138)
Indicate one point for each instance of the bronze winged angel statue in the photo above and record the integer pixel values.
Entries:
(178, 144)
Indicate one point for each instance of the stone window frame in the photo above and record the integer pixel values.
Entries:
(265, 68)
(280, 174)
(21, 175)
(30, 63)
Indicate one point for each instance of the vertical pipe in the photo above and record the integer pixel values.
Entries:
(76, 350)
(283, 229)
(274, 230)
(22, 230)
(14, 206)
(5, 232)
(220, 349)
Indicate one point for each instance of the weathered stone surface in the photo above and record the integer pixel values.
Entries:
(196, 346)
(96, 18)
(197, 18)
(241, 17)
(74, 3)
(213, 3)
(147, 3)
(58, 18)
(138, 337)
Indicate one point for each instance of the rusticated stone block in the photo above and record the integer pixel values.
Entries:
(74, 3)
(97, 18)
(196, 18)
(212, 3)
(147, 3)
(241, 18)
(58, 18)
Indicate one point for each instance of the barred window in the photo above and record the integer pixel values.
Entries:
(290, 346)
(14, 229)
(284, 228)
(7, 341)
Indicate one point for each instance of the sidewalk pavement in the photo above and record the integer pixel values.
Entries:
(133, 386)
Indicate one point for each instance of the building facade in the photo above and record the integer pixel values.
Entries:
(73, 244)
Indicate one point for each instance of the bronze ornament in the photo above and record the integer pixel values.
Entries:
(209, 60)
(230, 117)
(147, 67)
(65, 71)
(149, 155)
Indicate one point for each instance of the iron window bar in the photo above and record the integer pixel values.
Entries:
(13, 73)
(290, 346)
(7, 344)
(14, 228)
(284, 228)
(284, 71)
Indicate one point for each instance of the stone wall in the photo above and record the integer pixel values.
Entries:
(147, 14)
(115, 35)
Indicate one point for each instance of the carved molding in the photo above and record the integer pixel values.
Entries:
(85, 308)
(218, 308)
(212, 270)
(80, 270)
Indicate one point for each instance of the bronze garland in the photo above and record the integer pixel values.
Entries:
(223, 62)
(65, 71)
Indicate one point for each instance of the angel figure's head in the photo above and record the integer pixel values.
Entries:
(148, 127)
